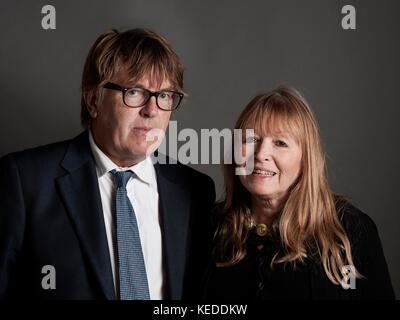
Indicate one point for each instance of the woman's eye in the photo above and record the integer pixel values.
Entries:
(251, 140)
(280, 143)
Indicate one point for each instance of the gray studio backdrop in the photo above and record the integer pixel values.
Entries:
(232, 50)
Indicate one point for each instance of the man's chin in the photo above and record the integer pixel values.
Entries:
(144, 150)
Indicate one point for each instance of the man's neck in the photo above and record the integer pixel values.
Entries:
(124, 162)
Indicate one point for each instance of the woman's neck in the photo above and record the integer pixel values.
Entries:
(265, 210)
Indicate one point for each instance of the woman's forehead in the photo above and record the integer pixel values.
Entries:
(282, 129)
(271, 127)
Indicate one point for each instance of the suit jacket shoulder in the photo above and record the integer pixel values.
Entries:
(39, 156)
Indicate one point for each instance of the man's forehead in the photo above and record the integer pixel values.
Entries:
(151, 82)
(147, 80)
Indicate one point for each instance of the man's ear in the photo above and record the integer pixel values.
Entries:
(90, 101)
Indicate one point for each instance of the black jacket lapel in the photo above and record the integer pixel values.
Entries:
(80, 192)
(174, 216)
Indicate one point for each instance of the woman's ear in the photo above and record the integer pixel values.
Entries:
(90, 101)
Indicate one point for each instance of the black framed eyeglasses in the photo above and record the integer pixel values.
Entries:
(138, 97)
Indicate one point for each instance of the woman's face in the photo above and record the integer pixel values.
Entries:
(277, 164)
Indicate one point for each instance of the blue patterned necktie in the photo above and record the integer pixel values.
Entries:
(132, 271)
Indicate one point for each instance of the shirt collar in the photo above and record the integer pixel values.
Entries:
(144, 169)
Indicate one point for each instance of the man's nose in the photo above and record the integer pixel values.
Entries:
(150, 109)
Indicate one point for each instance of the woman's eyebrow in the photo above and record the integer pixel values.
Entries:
(284, 135)
(250, 131)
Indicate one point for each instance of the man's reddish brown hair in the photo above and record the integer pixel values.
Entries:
(140, 51)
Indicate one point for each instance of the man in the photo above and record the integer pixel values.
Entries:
(92, 217)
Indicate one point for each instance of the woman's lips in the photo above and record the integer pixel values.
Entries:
(263, 174)
(258, 176)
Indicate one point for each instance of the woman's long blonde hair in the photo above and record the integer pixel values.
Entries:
(309, 222)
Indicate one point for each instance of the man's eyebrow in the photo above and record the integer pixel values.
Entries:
(134, 85)
(137, 85)
(169, 89)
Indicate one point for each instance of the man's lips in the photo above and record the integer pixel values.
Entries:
(142, 129)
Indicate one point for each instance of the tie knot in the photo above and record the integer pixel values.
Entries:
(121, 177)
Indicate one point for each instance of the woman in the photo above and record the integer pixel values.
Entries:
(281, 232)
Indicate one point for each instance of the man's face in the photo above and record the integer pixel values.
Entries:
(120, 131)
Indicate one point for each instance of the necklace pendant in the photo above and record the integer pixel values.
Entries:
(261, 229)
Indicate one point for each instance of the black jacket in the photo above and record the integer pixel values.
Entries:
(253, 279)
(51, 214)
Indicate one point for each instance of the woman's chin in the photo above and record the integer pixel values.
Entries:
(261, 192)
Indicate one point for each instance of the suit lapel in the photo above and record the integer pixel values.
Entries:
(80, 192)
(174, 219)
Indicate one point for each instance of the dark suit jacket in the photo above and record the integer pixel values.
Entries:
(51, 214)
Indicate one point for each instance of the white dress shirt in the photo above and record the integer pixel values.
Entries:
(143, 194)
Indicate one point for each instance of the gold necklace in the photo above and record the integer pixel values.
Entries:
(261, 229)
